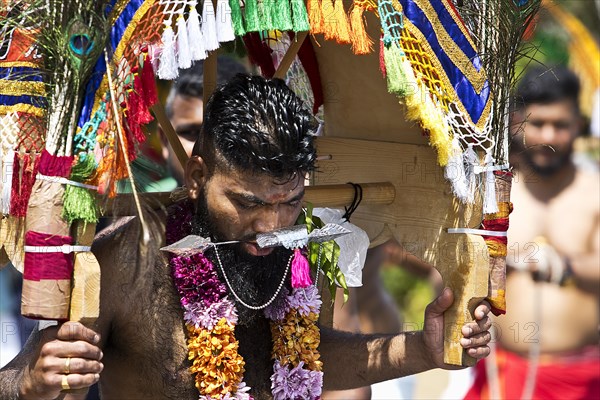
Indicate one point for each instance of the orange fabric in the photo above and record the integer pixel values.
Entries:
(572, 376)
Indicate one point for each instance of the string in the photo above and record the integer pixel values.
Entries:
(358, 195)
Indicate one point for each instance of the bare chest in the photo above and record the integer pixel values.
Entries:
(565, 222)
(147, 355)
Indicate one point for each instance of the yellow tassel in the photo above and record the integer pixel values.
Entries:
(315, 16)
(341, 22)
(420, 108)
(328, 14)
(361, 42)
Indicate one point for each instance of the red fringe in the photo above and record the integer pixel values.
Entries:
(382, 58)
(148, 84)
(22, 183)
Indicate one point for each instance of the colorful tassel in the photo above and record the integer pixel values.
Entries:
(148, 84)
(80, 203)
(342, 31)
(167, 68)
(299, 16)
(454, 172)
(209, 26)
(396, 77)
(236, 18)
(196, 41)
(7, 164)
(265, 16)
(184, 58)
(225, 31)
(470, 160)
(490, 204)
(300, 271)
(142, 115)
(381, 57)
(329, 23)
(361, 42)
(315, 16)
(251, 16)
(25, 169)
(282, 15)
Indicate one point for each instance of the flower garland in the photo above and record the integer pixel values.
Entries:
(210, 317)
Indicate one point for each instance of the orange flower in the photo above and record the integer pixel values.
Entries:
(296, 339)
(216, 362)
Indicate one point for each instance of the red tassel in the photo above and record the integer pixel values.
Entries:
(300, 271)
(382, 58)
(148, 84)
(22, 183)
(143, 115)
(135, 111)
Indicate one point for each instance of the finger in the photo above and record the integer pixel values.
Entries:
(81, 349)
(479, 340)
(479, 352)
(76, 365)
(76, 331)
(440, 304)
(482, 310)
(474, 328)
(76, 381)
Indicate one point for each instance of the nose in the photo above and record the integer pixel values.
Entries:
(548, 133)
(268, 219)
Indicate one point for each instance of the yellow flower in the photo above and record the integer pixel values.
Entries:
(296, 339)
(216, 362)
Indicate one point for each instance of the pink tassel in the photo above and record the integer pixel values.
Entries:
(300, 271)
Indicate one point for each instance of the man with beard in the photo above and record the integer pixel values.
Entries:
(246, 177)
(548, 339)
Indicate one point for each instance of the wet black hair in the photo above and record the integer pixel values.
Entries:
(258, 125)
(545, 85)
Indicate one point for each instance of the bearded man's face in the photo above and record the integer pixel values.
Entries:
(237, 206)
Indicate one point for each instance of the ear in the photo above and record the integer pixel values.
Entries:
(196, 176)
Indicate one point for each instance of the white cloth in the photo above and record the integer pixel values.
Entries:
(353, 247)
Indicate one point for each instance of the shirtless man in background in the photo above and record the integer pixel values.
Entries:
(548, 340)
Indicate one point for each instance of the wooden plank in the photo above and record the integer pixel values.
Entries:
(290, 55)
(422, 211)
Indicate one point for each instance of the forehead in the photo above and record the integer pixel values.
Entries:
(559, 110)
(263, 186)
(187, 110)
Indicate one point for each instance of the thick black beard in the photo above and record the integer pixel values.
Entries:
(548, 170)
(254, 279)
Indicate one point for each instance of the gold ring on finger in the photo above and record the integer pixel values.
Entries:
(65, 383)
(67, 369)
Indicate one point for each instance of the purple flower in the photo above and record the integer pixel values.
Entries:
(207, 317)
(196, 280)
(305, 300)
(295, 383)
(277, 310)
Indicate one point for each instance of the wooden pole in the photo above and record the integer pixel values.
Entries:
(290, 55)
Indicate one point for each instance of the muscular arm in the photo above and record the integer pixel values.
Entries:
(353, 360)
(11, 374)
